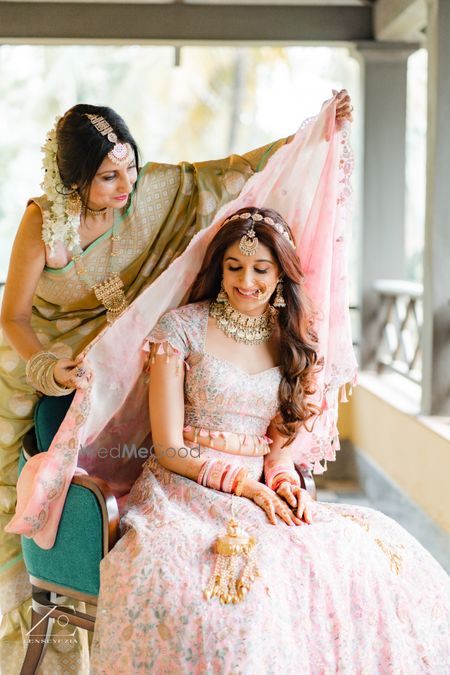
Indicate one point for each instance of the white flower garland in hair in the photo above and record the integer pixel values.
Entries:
(58, 224)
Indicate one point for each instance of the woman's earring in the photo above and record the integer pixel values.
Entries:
(73, 207)
(279, 300)
(222, 297)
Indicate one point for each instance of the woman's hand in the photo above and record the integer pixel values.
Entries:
(70, 373)
(269, 502)
(297, 498)
(344, 106)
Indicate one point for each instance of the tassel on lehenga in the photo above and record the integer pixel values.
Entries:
(225, 583)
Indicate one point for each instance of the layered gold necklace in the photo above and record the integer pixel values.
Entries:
(250, 330)
(110, 291)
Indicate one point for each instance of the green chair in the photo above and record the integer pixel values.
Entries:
(88, 529)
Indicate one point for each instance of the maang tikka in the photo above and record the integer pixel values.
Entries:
(249, 241)
(120, 152)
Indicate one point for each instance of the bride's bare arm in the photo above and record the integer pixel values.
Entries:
(166, 401)
(277, 454)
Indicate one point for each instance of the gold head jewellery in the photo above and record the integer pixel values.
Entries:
(249, 242)
(250, 330)
(120, 152)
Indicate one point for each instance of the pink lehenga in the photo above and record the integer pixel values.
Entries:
(351, 593)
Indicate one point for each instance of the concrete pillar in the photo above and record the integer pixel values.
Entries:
(436, 333)
(382, 249)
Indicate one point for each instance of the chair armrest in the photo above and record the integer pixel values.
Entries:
(102, 491)
(108, 505)
(307, 480)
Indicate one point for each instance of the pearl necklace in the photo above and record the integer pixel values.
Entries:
(250, 330)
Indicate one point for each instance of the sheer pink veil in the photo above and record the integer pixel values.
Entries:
(307, 181)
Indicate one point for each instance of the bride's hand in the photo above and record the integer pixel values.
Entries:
(344, 106)
(297, 498)
(269, 502)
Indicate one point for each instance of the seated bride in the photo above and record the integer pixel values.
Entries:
(226, 564)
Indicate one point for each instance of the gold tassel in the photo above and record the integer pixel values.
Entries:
(225, 583)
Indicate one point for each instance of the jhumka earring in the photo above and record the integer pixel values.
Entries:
(279, 299)
(222, 296)
(73, 206)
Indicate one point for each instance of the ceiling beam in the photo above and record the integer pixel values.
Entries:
(402, 20)
(77, 22)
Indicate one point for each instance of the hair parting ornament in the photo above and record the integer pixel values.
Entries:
(249, 241)
(120, 152)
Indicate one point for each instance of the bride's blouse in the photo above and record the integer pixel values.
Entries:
(220, 397)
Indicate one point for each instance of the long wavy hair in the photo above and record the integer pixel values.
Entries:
(299, 360)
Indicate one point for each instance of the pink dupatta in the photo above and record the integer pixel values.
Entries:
(307, 181)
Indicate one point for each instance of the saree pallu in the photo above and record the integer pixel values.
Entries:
(168, 206)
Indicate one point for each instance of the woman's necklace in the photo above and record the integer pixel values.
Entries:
(110, 291)
(250, 330)
(95, 212)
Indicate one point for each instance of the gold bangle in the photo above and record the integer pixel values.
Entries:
(243, 473)
(40, 374)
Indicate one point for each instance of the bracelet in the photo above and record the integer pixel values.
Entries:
(284, 478)
(239, 485)
(217, 474)
(202, 471)
(276, 471)
(230, 479)
(40, 373)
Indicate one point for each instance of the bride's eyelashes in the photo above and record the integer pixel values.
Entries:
(236, 269)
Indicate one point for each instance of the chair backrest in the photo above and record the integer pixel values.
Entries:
(48, 415)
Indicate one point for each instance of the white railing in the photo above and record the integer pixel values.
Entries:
(401, 319)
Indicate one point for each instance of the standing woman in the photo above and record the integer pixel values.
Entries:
(103, 230)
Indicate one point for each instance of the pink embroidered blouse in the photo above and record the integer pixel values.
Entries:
(220, 397)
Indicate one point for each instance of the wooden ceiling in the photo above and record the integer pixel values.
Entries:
(212, 21)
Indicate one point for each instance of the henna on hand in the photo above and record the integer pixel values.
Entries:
(273, 505)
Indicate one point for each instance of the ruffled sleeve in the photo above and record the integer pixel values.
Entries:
(169, 337)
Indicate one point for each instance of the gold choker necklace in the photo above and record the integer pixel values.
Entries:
(251, 330)
(95, 212)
